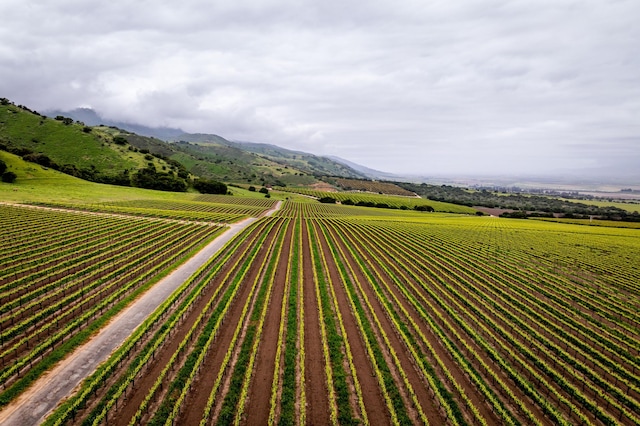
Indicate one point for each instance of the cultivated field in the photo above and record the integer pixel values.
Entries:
(392, 201)
(330, 314)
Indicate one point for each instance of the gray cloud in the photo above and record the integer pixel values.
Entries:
(404, 86)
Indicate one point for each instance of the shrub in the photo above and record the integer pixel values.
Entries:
(210, 186)
(9, 177)
(327, 200)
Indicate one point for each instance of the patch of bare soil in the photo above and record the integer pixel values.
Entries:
(258, 405)
(196, 402)
(374, 402)
(315, 381)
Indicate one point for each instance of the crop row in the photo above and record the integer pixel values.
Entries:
(48, 310)
(417, 319)
(454, 276)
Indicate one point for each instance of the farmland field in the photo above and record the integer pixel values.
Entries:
(326, 314)
(391, 201)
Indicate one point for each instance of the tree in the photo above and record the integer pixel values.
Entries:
(210, 186)
(327, 200)
(3, 167)
(264, 190)
(9, 177)
(119, 140)
(150, 179)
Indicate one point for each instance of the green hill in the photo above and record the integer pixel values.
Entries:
(92, 153)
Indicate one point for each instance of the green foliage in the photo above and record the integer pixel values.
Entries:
(9, 177)
(119, 140)
(327, 200)
(514, 201)
(149, 178)
(3, 167)
(210, 187)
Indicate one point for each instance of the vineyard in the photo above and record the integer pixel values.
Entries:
(327, 314)
(372, 186)
(209, 208)
(64, 274)
(391, 201)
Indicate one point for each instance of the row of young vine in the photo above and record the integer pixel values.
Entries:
(70, 276)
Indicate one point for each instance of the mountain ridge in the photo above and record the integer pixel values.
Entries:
(315, 165)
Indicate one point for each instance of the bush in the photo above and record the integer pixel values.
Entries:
(252, 188)
(515, 215)
(150, 179)
(3, 167)
(210, 186)
(327, 200)
(264, 190)
(41, 159)
(9, 177)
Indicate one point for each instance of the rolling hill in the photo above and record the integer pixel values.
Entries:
(213, 156)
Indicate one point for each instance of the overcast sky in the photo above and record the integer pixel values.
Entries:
(410, 86)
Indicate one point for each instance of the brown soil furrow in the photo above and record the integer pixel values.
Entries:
(374, 402)
(419, 385)
(315, 380)
(195, 403)
(257, 410)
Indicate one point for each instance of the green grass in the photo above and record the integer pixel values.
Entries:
(64, 144)
(38, 184)
(70, 144)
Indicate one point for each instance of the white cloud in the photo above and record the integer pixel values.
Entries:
(419, 86)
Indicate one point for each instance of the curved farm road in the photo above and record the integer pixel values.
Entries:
(45, 394)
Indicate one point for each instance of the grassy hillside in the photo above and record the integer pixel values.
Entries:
(300, 162)
(87, 151)
(71, 143)
(35, 183)
(232, 164)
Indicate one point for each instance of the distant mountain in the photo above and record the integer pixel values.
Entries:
(308, 163)
(90, 117)
(218, 148)
(366, 171)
